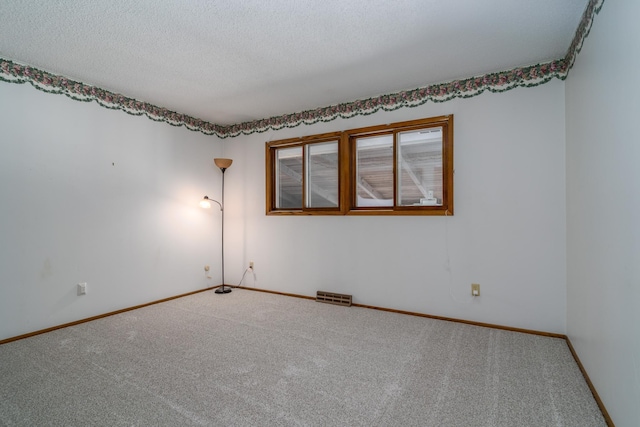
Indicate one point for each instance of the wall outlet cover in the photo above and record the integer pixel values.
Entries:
(475, 289)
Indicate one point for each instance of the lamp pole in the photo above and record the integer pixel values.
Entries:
(223, 164)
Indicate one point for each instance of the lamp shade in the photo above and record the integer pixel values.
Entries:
(205, 203)
(223, 163)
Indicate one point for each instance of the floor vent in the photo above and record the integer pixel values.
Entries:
(331, 298)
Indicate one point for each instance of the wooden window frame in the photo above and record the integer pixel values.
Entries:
(446, 122)
(270, 168)
(347, 193)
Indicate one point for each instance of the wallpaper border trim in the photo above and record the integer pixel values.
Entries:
(583, 30)
(13, 72)
(529, 76)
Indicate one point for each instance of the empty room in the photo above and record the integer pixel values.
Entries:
(305, 213)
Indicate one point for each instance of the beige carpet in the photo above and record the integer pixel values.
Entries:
(255, 359)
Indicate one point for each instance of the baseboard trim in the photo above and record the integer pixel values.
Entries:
(99, 316)
(429, 316)
(605, 414)
(599, 402)
(467, 322)
(276, 292)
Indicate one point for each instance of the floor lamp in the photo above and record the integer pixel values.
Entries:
(223, 164)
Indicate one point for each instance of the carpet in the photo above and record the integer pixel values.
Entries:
(256, 359)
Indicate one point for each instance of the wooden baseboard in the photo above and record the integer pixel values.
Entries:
(429, 316)
(100, 316)
(468, 322)
(605, 414)
(276, 292)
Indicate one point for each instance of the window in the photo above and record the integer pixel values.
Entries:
(403, 168)
(303, 175)
(399, 169)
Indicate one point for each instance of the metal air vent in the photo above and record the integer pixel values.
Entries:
(333, 298)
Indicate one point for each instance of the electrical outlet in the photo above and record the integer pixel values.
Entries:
(251, 265)
(82, 288)
(475, 289)
(206, 268)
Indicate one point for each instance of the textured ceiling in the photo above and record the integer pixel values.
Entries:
(234, 61)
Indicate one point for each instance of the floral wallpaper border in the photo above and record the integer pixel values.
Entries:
(495, 82)
(530, 76)
(13, 72)
(584, 27)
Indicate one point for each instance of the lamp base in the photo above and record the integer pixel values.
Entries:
(222, 290)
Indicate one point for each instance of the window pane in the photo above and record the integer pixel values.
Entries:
(322, 175)
(374, 171)
(289, 178)
(419, 167)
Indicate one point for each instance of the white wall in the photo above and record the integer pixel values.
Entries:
(98, 196)
(603, 209)
(93, 195)
(508, 232)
